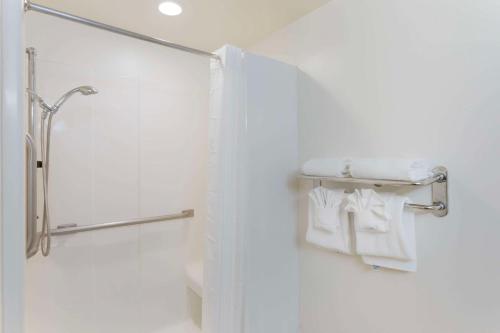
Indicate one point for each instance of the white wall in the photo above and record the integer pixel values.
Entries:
(390, 78)
(12, 151)
(138, 148)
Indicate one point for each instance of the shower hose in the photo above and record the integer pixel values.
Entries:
(45, 149)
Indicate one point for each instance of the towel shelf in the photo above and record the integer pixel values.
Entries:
(438, 181)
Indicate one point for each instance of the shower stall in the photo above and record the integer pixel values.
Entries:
(120, 163)
(159, 187)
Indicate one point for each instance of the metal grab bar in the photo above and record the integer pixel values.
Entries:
(439, 182)
(67, 229)
(32, 237)
(31, 218)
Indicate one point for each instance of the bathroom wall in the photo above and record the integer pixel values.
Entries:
(391, 78)
(139, 148)
(12, 189)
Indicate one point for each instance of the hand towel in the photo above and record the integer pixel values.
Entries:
(372, 214)
(337, 167)
(382, 226)
(328, 222)
(398, 169)
(410, 265)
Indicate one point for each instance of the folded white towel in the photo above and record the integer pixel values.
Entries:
(408, 222)
(379, 225)
(371, 211)
(328, 221)
(326, 167)
(399, 169)
(326, 208)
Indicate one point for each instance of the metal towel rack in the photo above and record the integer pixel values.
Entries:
(439, 182)
(67, 229)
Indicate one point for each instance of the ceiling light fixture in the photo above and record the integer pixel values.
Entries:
(170, 8)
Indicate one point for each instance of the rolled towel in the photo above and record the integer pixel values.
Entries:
(326, 167)
(398, 169)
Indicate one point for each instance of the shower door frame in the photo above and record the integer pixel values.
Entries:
(12, 159)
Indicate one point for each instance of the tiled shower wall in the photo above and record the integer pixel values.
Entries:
(136, 149)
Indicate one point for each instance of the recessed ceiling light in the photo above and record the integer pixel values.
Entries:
(170, 8)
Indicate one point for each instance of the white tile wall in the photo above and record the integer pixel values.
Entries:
(115, 143)
(138, 148)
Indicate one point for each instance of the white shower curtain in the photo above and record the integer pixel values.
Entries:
(251, 258)
(222, 292)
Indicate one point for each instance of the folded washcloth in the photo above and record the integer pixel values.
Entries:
(337, 167)
(328, 221)
(398, 169)
(380, 225)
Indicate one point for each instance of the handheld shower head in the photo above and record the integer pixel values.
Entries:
(45, 130)
(87, 90)
(84, 90)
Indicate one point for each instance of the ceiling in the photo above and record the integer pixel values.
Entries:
(204, 24)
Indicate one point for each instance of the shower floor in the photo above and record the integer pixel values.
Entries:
(186, 327)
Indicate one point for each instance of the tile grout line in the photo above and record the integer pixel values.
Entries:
(93, 205)
(139, 196)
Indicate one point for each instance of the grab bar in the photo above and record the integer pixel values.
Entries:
(67, 229)
(31, 209)
(32, 236)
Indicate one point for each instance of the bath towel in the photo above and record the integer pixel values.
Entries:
(337, 167)
(398, 169)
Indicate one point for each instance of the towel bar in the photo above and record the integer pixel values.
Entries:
(438, 181)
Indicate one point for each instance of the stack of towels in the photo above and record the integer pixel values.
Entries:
(383, 231)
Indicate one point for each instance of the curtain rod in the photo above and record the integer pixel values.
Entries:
(28, 5)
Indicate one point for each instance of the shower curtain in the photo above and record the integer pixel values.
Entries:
(251, 259)
(223, 262)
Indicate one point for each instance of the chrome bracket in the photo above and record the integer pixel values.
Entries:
(440, 192)
(67, 225)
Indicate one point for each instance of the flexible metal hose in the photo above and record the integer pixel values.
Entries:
(48, 112)
(45, 149)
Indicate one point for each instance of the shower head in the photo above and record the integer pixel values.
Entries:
(87, 90)
(84, 90)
